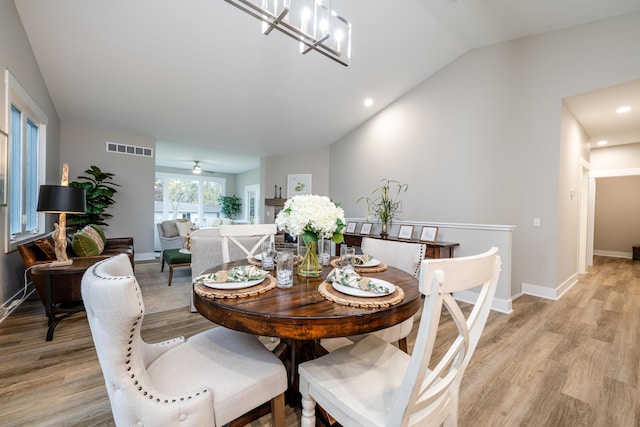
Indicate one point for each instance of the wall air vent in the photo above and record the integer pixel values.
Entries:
(114, 147)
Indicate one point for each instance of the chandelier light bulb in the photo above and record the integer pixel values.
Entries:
(196, 168)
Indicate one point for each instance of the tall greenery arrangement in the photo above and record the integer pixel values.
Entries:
(99, 190)
(229, 205)
(384, 202)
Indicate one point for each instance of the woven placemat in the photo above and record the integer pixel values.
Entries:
(359, 269)
(211, 293)
(327, 291)
(254, 262)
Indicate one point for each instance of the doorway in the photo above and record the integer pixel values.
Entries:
(251, 203)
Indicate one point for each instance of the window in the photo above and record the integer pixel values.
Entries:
(27, 143)
(188, 196)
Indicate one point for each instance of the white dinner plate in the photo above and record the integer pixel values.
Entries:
(362, 293)
(371, 263)
(258, 257)
(231, 285)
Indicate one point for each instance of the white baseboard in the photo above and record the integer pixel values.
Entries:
(550, 293)
(498, 304)
(613, 254)
(148, 256)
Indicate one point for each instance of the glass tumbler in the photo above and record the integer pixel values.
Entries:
(285, 269)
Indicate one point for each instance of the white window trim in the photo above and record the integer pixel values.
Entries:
(188, 177)
(17, 95)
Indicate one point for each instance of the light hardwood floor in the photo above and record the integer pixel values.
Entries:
(572, 362)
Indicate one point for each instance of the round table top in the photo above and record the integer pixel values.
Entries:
(302, 313)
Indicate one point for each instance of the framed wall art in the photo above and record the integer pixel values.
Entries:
(428, 234)
(366, 228)
(405, 232)
(351, 227)
(298, 184)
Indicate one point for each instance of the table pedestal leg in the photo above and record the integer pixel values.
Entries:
(293, 353)
(53, 311)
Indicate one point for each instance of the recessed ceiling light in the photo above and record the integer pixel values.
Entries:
(624, 109)
(368, 102)
(603, 142)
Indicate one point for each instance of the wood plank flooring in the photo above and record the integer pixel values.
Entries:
(571, 362)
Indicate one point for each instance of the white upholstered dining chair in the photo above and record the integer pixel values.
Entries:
(372, 383)
(407, 257)
(403, 255)
(230, 233)
(209, 379)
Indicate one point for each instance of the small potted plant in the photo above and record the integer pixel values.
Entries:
(384, 203)
(229, 205)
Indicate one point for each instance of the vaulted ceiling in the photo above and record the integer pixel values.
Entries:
(200, 76)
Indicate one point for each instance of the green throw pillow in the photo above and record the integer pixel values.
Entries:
(87, 242)
(100, 232)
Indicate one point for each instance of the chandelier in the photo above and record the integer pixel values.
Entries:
(312, 22)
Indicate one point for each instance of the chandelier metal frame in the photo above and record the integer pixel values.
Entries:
(308, 42)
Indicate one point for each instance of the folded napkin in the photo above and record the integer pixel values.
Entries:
(349, 277)
(241, 273)
(361, 259)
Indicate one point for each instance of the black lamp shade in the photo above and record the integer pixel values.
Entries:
(61, 198)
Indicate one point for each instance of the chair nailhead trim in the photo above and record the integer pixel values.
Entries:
(129, 352)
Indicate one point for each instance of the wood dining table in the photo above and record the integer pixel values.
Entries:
(300, 316)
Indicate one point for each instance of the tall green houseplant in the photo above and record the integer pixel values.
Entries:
(229, 205)
(384, 203)
(99, 190)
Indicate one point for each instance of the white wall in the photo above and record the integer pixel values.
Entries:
(615, 174)
(615, 160)
(479, 142)
(133, 210)
(275, 171)
(574, 146)
(17, 57)
(617, 215)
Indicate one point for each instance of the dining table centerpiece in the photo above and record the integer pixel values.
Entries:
(311, 218)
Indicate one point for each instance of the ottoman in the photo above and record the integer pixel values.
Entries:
(175, 258)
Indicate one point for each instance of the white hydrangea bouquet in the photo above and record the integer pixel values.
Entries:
(311, 217)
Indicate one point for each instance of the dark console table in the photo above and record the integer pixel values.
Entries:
(57, 312)
(434, 249)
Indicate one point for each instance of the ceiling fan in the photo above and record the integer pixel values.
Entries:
(197, 169)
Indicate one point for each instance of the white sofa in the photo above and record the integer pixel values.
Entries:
(206, 251)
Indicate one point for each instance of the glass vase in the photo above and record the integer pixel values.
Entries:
(384, 232)
(310, 265)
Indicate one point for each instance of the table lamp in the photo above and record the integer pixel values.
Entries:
(61, 199)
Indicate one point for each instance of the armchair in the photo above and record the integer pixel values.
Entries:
(169, 235)
(209, 379)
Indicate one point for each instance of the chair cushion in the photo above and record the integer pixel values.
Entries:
(87, 242)
(174, 256)
(240, 372)
(169, 228)
(184, 228)
(364, 378)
